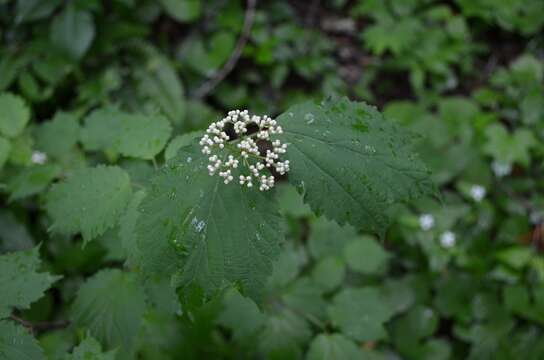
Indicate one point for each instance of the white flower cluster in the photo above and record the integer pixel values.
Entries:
(426, 222)
(216, 143)
(477, 192)
(39, 157)
(501, 169)
(447, 239)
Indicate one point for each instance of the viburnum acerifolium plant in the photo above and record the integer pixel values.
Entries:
(242, 141)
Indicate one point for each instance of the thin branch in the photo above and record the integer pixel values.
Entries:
(210, 84)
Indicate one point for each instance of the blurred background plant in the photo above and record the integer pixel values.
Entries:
(454, 278)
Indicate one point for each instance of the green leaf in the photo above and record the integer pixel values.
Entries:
(283, 335)
(509, 148)
(182, 10)
(16, 343)
(32, 180)
(333, 347)
(325, 143)
(14, 115)
(90, 201)
(160, 83)
(178, 142)
(209, 233)
(90, 349)
(30, 10)
(111, 305)
(127, 224)
(64, 126)
(20, 282)
(73, 31)
(327, 238)
(329, 272)
(14, 235)
(366, 256)
(133, 135)
(241, 315)
(360, 313)
(5, 148)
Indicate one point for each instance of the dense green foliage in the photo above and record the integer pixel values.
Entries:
(412, 229)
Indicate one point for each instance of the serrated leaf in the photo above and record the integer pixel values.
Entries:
(111, 305)
(241, 315)
(32, 180)
(209, 233)
(143, 136)
(178, 142)
(333, 347)
(14, 115)
(20, 282)
(63, 126)
(90, 349)
(90, 201)
(351, 163)
(16, 343)
(127, 223)
(360, 313)
(133, 135)
(73, 31)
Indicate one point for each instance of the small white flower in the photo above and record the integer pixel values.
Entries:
(447, 239)
(426, 222)
(39, 157)
(477, 192)
(242, 150)
(501, 168)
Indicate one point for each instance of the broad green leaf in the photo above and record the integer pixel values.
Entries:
(160, 83)
(16, 343)
(58, 136)
(14, 235)
(366, 256)
(73, 31)
(132, 135)
(90, 201)
(182, 10)
(329, 272)
(360, 313)
(30, 10)
(207, 232)
(21, 150)
(283, 335)
(350, 163)
(509, 148)
(101, 129)
(327, 238)
(305, 298)
(5, 148)
(143, 136)
(241, 315)
(32, 180)
(333, 347)
(90, 349)
(20, 282)
(111, 305)
(14, 115)
(178, 142)
(127, 224)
